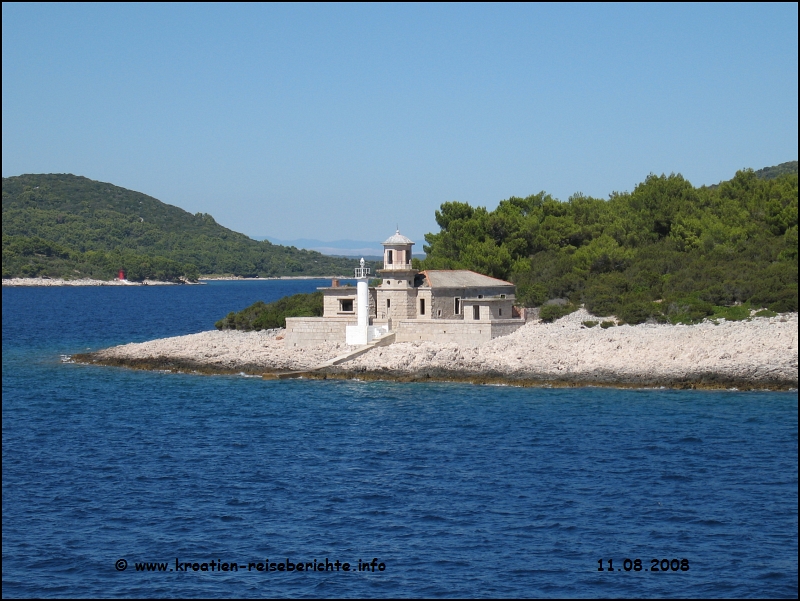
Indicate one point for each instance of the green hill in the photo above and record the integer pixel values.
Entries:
(64, 225)
(666, 251)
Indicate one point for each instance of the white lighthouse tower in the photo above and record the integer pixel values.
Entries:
(362, 333)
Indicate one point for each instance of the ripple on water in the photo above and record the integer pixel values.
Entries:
(461, 490)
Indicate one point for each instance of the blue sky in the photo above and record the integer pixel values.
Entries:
(341, 121)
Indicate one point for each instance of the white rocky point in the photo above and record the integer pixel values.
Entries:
(762, 350)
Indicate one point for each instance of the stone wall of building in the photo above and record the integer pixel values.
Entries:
(444, 306)
(465, 333)
(490, 309)
(424, 294)
(402, 304)
(332, 298)
(373, 302)
(310, 331)
(503, 309)
(504, 327)
(444, 302)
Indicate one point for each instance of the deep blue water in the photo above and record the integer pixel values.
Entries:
(458, 490)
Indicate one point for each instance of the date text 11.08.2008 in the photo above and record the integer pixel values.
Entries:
(656, 565)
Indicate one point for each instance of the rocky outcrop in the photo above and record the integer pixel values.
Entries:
(760, 353)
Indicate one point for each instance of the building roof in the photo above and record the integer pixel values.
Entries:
(397, 238)
(460, 278)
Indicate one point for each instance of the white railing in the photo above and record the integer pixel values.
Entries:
(402, 266)
(362, 272)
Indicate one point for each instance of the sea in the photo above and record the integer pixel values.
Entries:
(125, 483)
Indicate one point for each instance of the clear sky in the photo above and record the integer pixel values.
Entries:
(341, 121)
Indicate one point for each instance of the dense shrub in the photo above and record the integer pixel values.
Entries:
(688, 310)
(735, 313)
(531, 295)
(549, 313)
(639, 312)
(263, 316)
(603, 296)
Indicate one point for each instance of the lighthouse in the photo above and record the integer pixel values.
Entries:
(360, 333)
(409, 305)
(363, 333)
(362, 294)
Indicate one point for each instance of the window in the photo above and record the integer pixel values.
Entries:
(457, 308)
(476, 312)
(346, 305)
(500, 312)
(388, 303)
(389, 257)
(422, 306)
(502, 296)
(480, 296)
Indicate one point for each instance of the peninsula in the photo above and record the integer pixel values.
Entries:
(757, 354)
(669, 285)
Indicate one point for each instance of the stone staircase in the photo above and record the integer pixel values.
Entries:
(384, 340)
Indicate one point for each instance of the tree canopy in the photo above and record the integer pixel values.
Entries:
(266, 316)
(667, 250)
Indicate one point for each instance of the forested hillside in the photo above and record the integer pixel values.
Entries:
(64, 225)
(666, 251)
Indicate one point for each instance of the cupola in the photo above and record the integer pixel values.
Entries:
(397, 253)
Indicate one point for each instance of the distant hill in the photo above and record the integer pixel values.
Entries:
(63, 225)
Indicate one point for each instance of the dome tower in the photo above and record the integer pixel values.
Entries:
(397, 294)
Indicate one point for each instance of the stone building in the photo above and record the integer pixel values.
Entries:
(437, 305)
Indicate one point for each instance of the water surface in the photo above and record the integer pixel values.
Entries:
(459, 490)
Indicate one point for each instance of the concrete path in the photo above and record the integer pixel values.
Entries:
(384, 340)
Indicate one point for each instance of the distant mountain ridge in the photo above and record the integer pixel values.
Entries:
(351, 248)
(369, 249)
(63, 225)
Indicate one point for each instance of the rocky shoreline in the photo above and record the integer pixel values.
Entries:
(239, 278)
(757, 354)
(82, 282)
